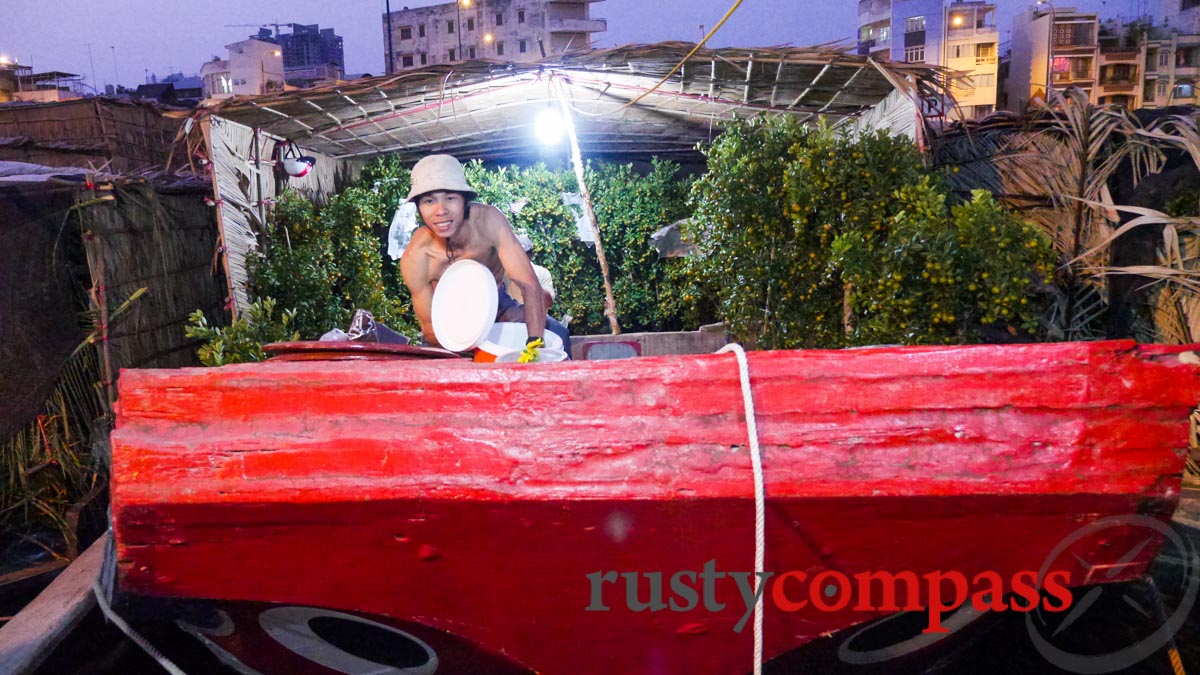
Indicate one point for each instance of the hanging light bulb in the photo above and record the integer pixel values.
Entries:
(550, 126)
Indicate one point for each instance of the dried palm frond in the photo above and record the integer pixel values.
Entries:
(1171, 317)
(49, 465)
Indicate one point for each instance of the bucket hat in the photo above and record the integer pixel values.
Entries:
(439, 172)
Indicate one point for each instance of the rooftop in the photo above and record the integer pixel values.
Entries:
(486, 109)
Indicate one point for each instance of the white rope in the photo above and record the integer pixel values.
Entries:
(760, 497)
(102, 600)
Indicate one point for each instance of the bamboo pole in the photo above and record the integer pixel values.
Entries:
(222, 248)
(99, 297)
(610, 303)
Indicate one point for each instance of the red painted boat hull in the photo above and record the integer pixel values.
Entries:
(476, 499)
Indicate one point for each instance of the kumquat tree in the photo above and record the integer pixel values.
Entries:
(818, 237)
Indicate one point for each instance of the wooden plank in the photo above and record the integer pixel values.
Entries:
(30, 637)
(32, 571)
(1188, 512)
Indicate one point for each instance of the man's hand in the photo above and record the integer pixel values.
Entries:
(530, 355)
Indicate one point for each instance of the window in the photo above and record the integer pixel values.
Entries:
(914, 24)
(1164, 57)
(406, 32)
(958, 51)
(424, 59)
(884, 32)
(521, 46)
(453, 55)
(450, 27)
(470, 52)
(1184, 91)
(984, 80)
(982, 110)
(985, 50)
(1063, 34)
(520, 16)
(499, 49)
(499, 19)
(421, 30)
(915, 54)
(406, 61)
(1162, 87)
(470, 23)
(1060, 64)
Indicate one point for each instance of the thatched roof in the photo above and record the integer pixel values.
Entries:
(486, 109)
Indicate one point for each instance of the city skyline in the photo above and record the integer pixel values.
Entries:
(139, 37)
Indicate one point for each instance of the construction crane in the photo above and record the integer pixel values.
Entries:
(260, 25)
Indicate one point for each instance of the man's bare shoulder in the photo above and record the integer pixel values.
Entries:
(487, 216)
(421, 240)
(416, 255)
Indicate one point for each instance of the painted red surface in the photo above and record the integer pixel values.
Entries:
(475, 498)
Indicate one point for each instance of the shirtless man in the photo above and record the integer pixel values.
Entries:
(457, 228)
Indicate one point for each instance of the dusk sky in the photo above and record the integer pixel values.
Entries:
(163, 36)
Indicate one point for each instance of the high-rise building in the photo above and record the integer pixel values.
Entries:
(961, 36)
(504, 30)
(310, 53)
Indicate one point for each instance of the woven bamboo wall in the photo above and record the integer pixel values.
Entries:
(247, 185)
(39, 323)
(134, 137)
(166, 242)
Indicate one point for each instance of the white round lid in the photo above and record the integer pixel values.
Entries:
(464, 305)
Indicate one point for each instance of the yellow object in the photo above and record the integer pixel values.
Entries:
(530, 354)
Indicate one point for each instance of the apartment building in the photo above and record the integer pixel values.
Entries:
(959, 35)
(253, 67)
(1172, 68)
(505, 30)
(1054, 48)
(1182, 16)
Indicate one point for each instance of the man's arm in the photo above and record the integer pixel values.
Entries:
(518, 268)
(414, 268)
(546, 282)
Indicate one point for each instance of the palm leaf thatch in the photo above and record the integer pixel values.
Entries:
(50, 465)
(1056, 167)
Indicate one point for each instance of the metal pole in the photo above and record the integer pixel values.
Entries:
(116, 75)
(391, 55)
(93, 64)
(1049, 50)
(458, 27)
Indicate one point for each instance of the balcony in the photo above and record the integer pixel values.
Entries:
(1082, 43)
(867, 47)
(1068, 78)
(985, 60)
(1187, 69)
(961, 32)
(1118, 86)
(578, 25)
(1119, 56)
